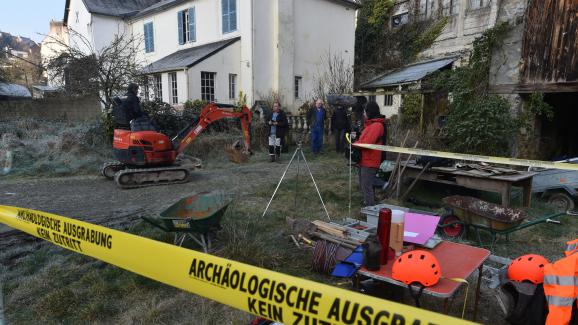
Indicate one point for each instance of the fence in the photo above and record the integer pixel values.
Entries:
(71, 109)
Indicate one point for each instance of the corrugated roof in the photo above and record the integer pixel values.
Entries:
(188, 57)
(410, 73)
(13, 90)
(46, 88)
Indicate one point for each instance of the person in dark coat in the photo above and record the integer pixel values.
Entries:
(340, 124)
(373, 133)
(132, 103)
(277, 128)
(316, 120)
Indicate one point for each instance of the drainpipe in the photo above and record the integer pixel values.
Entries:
(188, 84)
(252, 51)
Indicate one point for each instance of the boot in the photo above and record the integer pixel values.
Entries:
(271, 158)
(271, 154)
(278, 153)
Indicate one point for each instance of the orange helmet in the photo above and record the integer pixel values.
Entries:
(417, 266)
(528, 268)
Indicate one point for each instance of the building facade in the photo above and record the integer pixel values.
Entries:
(213, 49)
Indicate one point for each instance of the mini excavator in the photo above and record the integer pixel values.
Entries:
(146, 158)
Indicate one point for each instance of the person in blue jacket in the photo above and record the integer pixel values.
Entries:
(316, 120)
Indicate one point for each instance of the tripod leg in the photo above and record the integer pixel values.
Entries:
(297, 179)
(280, 181)
(315, 183)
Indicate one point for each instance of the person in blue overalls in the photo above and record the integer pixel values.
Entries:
(316, 119)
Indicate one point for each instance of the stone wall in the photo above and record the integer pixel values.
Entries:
(77, 109)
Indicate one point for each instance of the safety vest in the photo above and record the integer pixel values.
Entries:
(561, 286)
(571, 248)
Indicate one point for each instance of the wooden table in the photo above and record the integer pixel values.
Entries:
(499, 184)
(456, 261)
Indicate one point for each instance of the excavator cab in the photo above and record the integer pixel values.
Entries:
(143, 148)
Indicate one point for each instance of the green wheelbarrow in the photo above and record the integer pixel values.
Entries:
(465, 213)
(197, 217)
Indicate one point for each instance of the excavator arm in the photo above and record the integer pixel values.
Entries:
(214, 112)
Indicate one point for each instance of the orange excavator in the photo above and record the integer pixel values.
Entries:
(146, 158)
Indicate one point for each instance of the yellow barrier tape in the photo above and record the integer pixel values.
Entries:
(478, 158)
(261, 292)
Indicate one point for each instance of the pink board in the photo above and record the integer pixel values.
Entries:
(419, 228)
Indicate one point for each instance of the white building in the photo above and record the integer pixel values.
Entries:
(212, 49)
(52, 45)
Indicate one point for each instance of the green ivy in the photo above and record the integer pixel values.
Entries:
(411, 109)
(478, 122)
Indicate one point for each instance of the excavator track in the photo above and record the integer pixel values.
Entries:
(110, 168)
(143, 177)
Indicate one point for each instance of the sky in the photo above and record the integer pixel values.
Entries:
(28, 18)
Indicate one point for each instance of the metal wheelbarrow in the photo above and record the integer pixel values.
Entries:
(466, 213)
(197, 217)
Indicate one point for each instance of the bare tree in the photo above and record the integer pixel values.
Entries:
(335, 76)
(83, 70)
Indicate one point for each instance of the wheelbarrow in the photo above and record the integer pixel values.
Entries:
(465, 213)
(197, 217)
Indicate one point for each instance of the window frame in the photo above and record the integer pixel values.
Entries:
(482, 4)
(158, 81)
(150, 40)
(187, 26)
(174, 88)
(227, 15)
(232, 86)
(208, 90)
(297, 85)
(386, 102)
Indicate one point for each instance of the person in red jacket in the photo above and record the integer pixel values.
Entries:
(373, 133)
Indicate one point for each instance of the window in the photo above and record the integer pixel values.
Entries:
(145, 87)
(232, 85)
(208, 86)
(372, 98)
(426, 8)
(187, 27)
(388, 100)
(298, 87)
(158, 87)
(229, 11)
(399, 20)
(174, 89)
(477, 4)
(149, 38)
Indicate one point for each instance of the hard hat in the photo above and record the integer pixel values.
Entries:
(528, 268)
(417, 266)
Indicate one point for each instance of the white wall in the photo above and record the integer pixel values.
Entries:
(80, 24)
(105, 29)
(320, 26)
(263, 48)
(165, 25)
(388, 111)
(225, 62)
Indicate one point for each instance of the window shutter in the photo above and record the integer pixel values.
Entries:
(181, 27)
(192, 30)
(149, 37)
(232, 15)
(225, 15)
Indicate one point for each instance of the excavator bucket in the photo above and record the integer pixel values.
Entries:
(237, 153)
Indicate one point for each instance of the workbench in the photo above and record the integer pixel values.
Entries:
(456, 261)
(501, 184)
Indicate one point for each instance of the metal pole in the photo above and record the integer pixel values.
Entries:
(280, 181)
(315, 183)
(297, 178)
(350, 168)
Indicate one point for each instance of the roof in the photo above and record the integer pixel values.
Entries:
(188, 57)
(409, 73)
(44, 88)
(158, 7)
(13, 90)
(116, 8)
